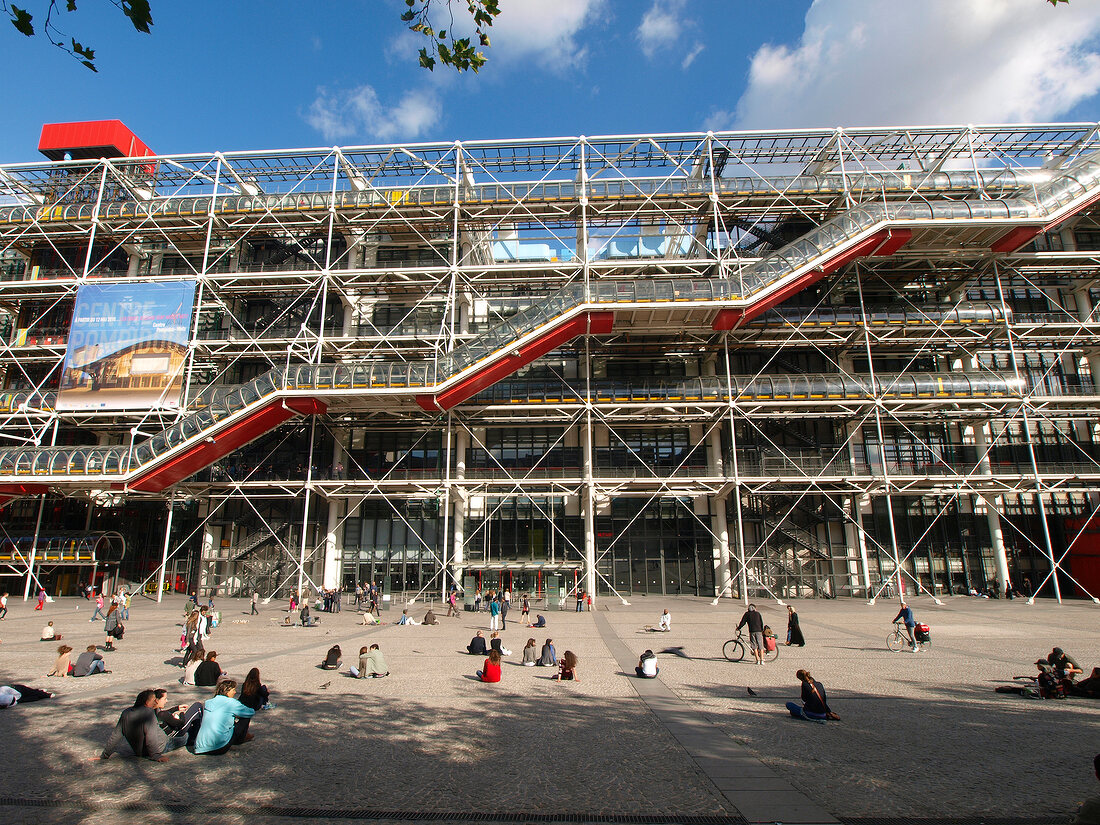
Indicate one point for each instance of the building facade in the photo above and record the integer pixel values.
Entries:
(798, 363)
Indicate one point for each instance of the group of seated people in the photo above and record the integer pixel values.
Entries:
(1056, 678)
(87, 663)
(372, 665)
(151, 729)
(532, 657)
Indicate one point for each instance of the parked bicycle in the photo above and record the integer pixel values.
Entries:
(735, 649)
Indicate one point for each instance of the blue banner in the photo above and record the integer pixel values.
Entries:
(127, 346)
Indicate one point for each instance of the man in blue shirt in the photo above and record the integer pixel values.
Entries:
(224, 721)
(906, 615)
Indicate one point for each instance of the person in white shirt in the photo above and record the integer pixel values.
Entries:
(48, 633)
(666, 621)
(647, 666)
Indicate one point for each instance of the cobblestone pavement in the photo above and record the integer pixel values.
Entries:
(923, 734)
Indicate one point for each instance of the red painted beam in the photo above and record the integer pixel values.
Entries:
(895, 240)
(596, 323)
(1014, 238)
(868, 246)
(12, 491)
(261, 420)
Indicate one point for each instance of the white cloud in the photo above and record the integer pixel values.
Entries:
(869, 63)
(689, 58)
(358, 112)
(660, 27)
(543, 29)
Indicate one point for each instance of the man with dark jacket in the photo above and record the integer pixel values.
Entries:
(755, 621)
(476, 647)
(138, 727)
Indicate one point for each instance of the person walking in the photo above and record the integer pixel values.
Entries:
(98, 614)
(525, 610)
(906, 615)
(794, 631)
(111, 626)
(494, 614)
(452, 603)
(504, 602)
(4, 606)
(41, 598)
(755, 621)
(255, 599)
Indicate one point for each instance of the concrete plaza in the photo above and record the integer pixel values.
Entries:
(923, 737)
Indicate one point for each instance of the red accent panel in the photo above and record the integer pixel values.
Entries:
(727, 319)
(1077, 209)
(1084, 554)
(261, 420)
(12, 491)
(1014, 238)
(90, 140)
(896, 239)
(862, 249)
(595, 322)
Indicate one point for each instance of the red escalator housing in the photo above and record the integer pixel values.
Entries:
(10, 491)
(261, 420)
(596, 323)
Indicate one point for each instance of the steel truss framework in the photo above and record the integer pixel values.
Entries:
(816, 349)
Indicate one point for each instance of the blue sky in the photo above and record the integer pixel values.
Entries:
(249, 75)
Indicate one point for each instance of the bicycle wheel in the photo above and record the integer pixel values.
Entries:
(771, 655)
(733, 650)
(894, 642)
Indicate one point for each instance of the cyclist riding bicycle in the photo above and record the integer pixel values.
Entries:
(906, 615)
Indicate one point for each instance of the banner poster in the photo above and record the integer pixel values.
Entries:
(127, 346)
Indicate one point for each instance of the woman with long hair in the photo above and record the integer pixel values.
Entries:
(567, 668)
(490, 671)
(254, 693)
(794, 631)
(111, 625)
(62, 666)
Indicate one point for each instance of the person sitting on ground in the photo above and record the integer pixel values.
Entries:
(209, 672)
(369, 618)
(1089, 812)
(180, 723)
(306, 619)
(89, 662)
(567, 668)
(665, 624)
(540, 621)
(496, 644)
(530, 654)
(254, 693)
(49, 634)
(815, 706)
(62, 667)
(220, 730)
(1065, 666)
(476, 647)
(429, 617)
(548, 657)
(1049, 685)
(490, 670)
(406, 619)
(332, 658)
(372, 665)
(137, 727)
(193, 662)
(647, 666)
(14, 693)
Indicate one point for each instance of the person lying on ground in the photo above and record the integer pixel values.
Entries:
(815, 706)
(490, 670)
(1087, 688)
(15, 693)
(220, 730)
(209, 672)
(49, 634)
(477, 647)
(62, 667)
(496, 644)
(180, 723)
(406, 619)
(647, 666)
(89, 662)
(332, 658)
(371, 664)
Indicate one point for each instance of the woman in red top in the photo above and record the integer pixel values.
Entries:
(491, 668)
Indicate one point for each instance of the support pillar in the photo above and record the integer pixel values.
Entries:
(331, 576)
(164, 554)
(458, 550)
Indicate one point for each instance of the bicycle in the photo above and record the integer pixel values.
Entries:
(734, 649)
(898, 639)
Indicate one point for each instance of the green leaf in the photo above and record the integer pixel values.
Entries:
(70, 6)
(90, 65)
(426, 62)
(140, 14)
(21, 19)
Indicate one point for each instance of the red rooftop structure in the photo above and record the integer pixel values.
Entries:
(91, 140)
